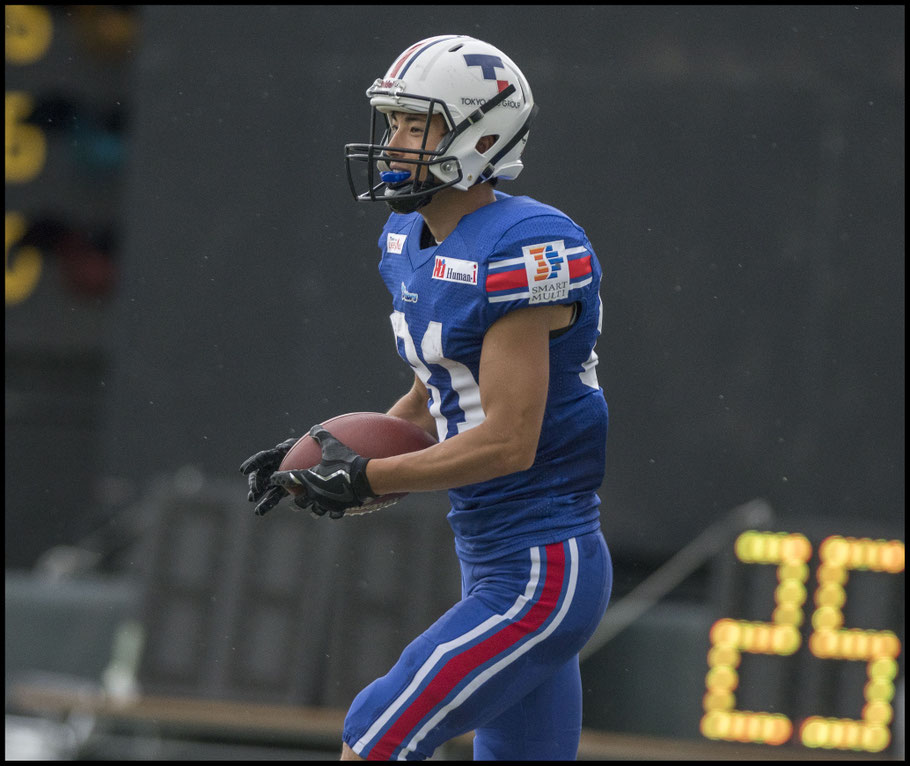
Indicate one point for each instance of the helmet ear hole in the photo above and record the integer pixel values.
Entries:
(484, 144)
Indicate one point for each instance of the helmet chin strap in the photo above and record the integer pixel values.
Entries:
(405, 206)
(411, 204)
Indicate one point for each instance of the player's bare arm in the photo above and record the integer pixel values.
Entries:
(413, 407)
(514, 376)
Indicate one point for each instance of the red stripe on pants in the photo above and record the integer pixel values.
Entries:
(462, 665)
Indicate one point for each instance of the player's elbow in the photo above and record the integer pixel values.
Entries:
(517, 450)
(520, 461)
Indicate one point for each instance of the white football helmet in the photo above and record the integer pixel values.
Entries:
(479, 92)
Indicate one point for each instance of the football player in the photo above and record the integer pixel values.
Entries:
(496, 307)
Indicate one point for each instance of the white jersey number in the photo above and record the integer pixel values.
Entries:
(467, 412)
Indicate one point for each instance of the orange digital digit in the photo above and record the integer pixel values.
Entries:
(25, 144)
(781, 636)
(830, 640)
(22, 265)
(29, 30)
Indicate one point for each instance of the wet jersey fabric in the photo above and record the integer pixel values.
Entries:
(510, 254)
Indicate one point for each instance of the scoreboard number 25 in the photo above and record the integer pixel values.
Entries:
(829, 639)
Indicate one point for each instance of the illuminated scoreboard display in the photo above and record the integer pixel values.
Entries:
(812, 655)
(67, 72)
(67, 99)
(29, 32)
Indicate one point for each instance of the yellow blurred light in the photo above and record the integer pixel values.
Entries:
(25, 144)
(793, 571)
(723, 655)
(827, 618)
(885, 644)
(883, 667)
(722, 679)
(718, 700)
(862, 553)
(834, 550)
(746, 726)
(878, 713)
(827, 573)
(828, 640)
(823, 643)
(830, 594)
(790, 592)
(892, 556)
(879, 690)
(795, 548)
(786, 640)
(725, 632)
(754, 547)
(742, 547)
(756, 637)
(780, 729)
(788, 614)
(843, 734)
(713, 725)
(875, 738)
(29, 31)
(853, 643)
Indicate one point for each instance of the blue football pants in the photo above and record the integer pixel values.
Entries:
(502, 662)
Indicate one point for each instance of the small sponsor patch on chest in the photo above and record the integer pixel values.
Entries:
(394, 243)
(455, 270)
(406, 295)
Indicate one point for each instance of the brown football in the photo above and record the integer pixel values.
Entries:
(369, 434)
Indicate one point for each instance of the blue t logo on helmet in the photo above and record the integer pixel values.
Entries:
(488, 65)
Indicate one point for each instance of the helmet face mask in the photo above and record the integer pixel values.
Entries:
(404, 191)
(478, 91)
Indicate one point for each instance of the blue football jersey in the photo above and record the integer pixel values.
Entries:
(510, 254)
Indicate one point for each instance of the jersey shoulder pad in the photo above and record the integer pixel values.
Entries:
(542, 257)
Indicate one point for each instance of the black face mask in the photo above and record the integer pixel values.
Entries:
(399, 189)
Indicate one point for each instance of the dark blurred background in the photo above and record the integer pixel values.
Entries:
(189, 280)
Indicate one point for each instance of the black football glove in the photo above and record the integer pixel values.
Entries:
(338, 483)
(260, 467)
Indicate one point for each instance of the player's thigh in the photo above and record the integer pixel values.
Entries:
(385, 712)
(522, 621)
(544, 725)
